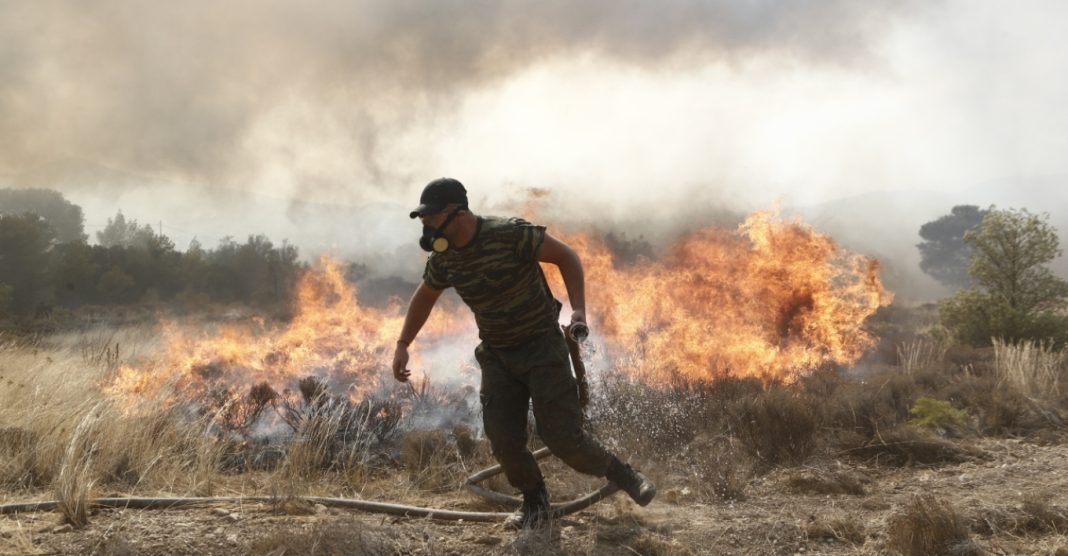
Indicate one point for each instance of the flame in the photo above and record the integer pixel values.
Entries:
(331, 336)
(771, 299)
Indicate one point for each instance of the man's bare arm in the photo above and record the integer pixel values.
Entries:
(556, 252)
(419, 308)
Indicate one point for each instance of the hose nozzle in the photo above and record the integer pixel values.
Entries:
(578, 331)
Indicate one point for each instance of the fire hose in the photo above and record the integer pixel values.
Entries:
(146, 503)
(471, 485)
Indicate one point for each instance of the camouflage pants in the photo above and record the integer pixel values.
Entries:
(538, 371)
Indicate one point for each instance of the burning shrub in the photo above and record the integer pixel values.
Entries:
(235, 414)
(333, 432)
(929, 526)
(437, 406)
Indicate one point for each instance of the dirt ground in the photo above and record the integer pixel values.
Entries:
(783, 513)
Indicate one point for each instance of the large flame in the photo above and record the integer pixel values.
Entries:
(772, 299)
(331, 337)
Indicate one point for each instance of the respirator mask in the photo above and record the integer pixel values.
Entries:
(433, 239)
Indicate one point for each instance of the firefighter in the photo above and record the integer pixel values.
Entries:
(493, 263)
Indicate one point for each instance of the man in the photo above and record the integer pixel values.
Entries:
(494, 265)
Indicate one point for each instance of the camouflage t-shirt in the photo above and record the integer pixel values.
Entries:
(498, 276)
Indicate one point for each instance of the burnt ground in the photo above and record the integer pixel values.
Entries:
(1011, 496)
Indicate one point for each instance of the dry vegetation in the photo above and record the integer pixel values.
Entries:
(920, 450)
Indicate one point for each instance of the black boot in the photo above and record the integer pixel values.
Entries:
(637, 486)
(535, 511)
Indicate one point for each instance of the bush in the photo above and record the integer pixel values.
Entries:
(1016, 297)
(777, 426)
(975, 317)
(880, 402)
(929, 412)
(929, 526)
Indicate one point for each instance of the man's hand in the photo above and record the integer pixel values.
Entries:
(400, 361)
(577, 331)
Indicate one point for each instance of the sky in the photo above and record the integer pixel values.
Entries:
(216, 119)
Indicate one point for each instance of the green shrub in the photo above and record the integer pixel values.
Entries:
(929, 412)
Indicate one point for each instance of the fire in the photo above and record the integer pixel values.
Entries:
(331, 336)
(772, 299)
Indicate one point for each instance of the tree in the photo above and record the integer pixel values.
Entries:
(120, 233)
(75, 269)
(255, 272)
(944, 255)
(117, 287)
(1015, 296)
(65, 218)
(25, 241)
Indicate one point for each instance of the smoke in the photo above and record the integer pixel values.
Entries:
(243, 93)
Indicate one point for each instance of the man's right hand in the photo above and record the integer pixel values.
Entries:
(400, 361)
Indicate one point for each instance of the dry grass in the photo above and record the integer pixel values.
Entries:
(19, 542)
(59, 435)
(904, 446)
(1034, 516)
(817, 481)
(919, 353)
(353, 538)
(59, 432)
(777, 426)
(1032, 368)
(74, 480)
(928, 526)
(431, 460)
(653, 544)
(836, 527)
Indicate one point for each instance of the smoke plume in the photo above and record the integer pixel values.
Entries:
(234, 93)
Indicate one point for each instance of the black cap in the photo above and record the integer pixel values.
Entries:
(437, 194)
